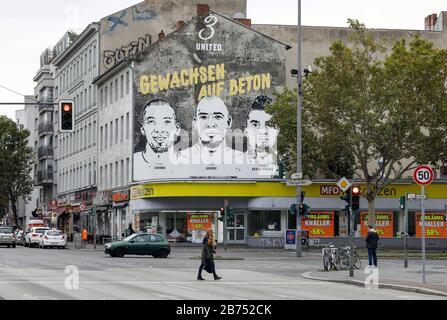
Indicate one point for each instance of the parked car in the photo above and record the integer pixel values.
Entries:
(33, 238)
(140, 244)
(52, 238)
(7, 237)
(19, 236)
(23, 240)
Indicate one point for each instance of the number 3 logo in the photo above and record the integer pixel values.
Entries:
(210, 22)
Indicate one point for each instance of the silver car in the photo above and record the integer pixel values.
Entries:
(7, 237)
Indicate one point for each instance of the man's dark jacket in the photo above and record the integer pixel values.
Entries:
(372, 239)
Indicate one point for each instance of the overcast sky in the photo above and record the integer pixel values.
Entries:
(28, 27)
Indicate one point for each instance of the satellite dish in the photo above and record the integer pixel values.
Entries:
(239, 15)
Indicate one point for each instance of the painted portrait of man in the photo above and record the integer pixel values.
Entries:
(160, 128)
(261, 138)
(211, 122)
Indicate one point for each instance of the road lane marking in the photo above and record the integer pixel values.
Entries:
(281, 296)
(239, 298)
(182, 287)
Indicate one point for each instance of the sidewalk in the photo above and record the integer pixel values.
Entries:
(392, 276)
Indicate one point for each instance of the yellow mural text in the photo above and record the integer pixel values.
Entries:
(211, 78)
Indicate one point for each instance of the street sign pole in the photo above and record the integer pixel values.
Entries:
(406, 232)
(226, 203)
(423, 232)
(351, 245)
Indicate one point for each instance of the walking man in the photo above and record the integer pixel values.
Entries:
(372, 240)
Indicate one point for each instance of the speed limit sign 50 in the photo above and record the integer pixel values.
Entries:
(423, 175)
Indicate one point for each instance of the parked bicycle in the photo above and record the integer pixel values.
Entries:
(330, 257)
(344, 258)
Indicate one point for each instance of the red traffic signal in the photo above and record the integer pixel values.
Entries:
(66, 116)
(355, 190)
(67, 107)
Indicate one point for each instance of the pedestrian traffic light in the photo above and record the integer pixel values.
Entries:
(304, 209)
(66, 116)
(293, 209)
(402, 203)
(355, 199)
(347, 197)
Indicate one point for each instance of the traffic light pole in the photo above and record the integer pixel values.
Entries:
(299, 169)
(351, 246)
(406, 232)
(225, 227)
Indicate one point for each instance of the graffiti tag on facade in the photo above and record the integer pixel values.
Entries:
(143, 13)
(115, 21)
(112, 58)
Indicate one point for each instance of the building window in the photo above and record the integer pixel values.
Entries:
(101, 136)
(94, 55)
(111, 175)
(105, 136)
(116, 89)
(111, 133)
(127, 82)
(116, 130)
(82, 66)
(116, 174)
(101, 98)
(264, 221)
(94, 133)
(122, 129)
(111, 92)
(122, 181)
(127, 125)
(126, 176)
(122, 86)
(106, 94)
(94, 172)
(106, 178)
(102, 177)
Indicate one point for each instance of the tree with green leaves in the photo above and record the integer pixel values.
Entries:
(16, 162)
(376, 119)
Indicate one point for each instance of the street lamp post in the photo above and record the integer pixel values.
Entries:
(299, 133)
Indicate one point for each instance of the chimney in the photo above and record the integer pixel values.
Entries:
(180, 24)
(203, 10)
(246, 22)
(161, 35)
(430, 22)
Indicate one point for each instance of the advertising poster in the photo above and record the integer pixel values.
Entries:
(319, 224)
(435, 225)
(198, 224)
(384, 224)
(200, 102)
(290, 242)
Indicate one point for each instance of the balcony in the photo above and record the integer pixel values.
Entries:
(46, 129)
(44, 177)
(45, 152)
(46, 107)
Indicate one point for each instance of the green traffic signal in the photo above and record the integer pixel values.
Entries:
(293, 210)
(304, 209)
(402, 203)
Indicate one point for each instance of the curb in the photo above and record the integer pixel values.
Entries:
(306, 275)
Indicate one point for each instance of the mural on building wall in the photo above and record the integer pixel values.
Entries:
(200, 100)
(112, 58)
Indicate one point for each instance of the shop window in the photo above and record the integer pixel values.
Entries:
(176, 226)
(261, 221)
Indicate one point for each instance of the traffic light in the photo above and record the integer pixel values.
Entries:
(230, 214)
(221, 214)
(355, 199)
(282, 170)
(66, 116)
(304, 209)
(293, 209)
(402, 203)
(347, 197)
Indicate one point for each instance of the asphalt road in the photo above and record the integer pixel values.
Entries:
(51, 274)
